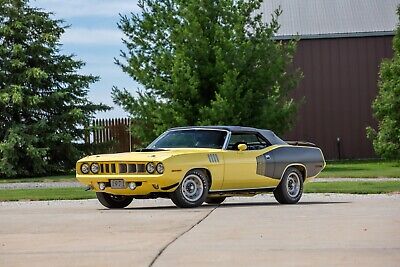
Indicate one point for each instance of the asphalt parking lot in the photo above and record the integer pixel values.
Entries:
(322, 230)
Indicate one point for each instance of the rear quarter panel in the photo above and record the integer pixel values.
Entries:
(309, 157)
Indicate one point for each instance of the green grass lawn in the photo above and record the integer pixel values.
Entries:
(351, 187)
(322, 187)
(361, 168)
(45, 194)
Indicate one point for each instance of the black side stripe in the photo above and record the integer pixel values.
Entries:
(169, 187)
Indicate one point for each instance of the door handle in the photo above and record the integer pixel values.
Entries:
(267, 157)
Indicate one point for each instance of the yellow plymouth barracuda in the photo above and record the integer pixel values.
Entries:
(193, 165)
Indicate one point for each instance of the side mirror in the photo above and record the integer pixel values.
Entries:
(242, 147)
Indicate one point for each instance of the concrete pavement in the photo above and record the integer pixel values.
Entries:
(324, 229)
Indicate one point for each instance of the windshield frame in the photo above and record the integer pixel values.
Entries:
(225, 145)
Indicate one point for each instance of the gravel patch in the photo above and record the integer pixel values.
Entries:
(355, 179)
(40, 185)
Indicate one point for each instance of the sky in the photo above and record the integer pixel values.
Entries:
(94, 38)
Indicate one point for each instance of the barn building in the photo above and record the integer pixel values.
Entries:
(341, 44)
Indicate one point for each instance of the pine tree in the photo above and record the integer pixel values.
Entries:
(43, 100)
(205, 63)
(386, 106)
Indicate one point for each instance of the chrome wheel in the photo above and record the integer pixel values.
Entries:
(192, 191)
(293, 184)
(290, 190)
(192, 188)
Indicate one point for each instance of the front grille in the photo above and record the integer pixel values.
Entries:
(123, 168)
(132, 168)
(113, 170)
(141, 168)
(116, 168)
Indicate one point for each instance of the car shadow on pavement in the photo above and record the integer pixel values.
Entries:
(172, 207)
(233, 205)
(323, 202)
(244, 204)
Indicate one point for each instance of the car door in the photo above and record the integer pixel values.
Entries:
(240, 171)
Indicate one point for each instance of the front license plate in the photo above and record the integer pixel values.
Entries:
(117, 184)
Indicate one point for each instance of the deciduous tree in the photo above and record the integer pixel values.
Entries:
(386, 107)
(205, 62)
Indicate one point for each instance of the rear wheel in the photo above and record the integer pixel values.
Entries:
(290, 188)
(192, 191)
(215, 200)
(113, 201)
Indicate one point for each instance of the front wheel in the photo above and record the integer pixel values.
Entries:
(290, 189)
(113, 201)
(192, 191)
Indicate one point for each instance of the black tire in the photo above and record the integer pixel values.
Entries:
(290, 189)
(113, 201)
(195, 182)
(215, 200)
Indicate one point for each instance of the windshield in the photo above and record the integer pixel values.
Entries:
(191, 139)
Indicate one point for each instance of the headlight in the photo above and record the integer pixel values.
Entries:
(85, 168)
(160, 168)
(94, 167)
(150, 167)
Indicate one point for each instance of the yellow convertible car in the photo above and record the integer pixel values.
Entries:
(193, 165)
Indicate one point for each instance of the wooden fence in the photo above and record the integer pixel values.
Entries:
(111, 135)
